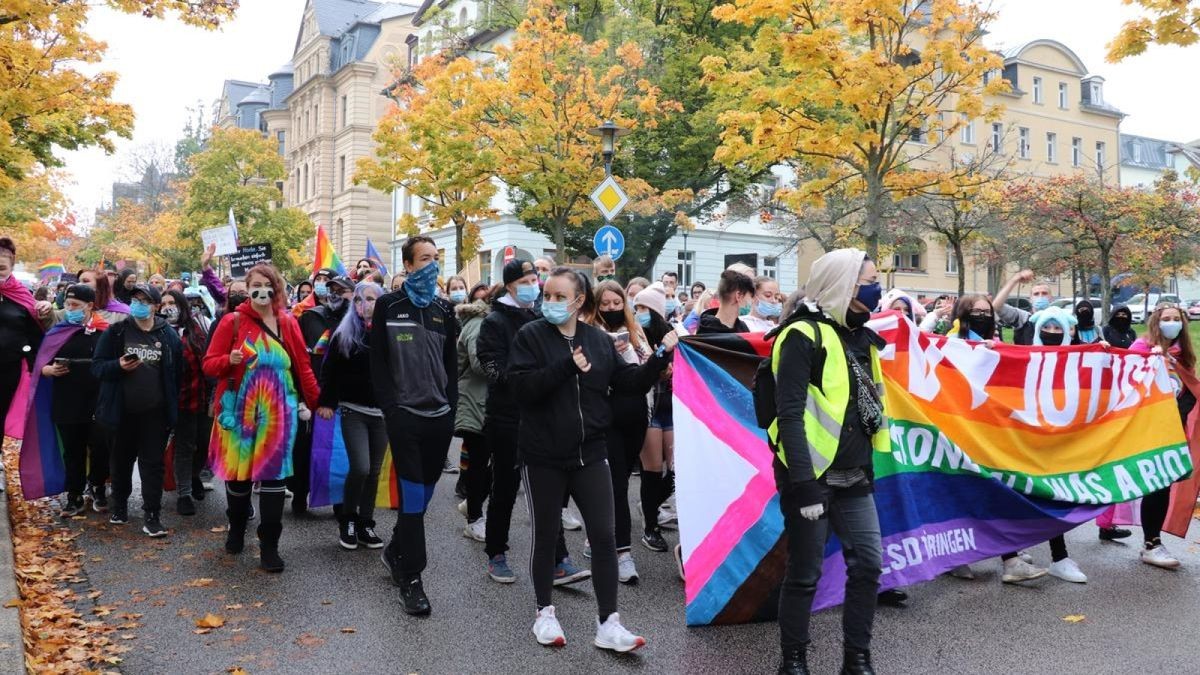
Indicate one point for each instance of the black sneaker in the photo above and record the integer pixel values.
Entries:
(99, 499)
(152, 526)
(412, 595)
(1113, 533)
(347, 538)
(198, 489)
(654, 541)
(367, 536)
(120, 514)
(73, 506)
(393, 567)
(893, 598)
(185, 506)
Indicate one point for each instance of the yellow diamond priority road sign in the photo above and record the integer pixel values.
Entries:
(609, 198)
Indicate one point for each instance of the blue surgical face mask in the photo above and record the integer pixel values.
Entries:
(672, 305)
(422, 284)
(458, 296)
(528, 293)
(139, 310)
(1040, 302)
(770, 309)
(643, 319)
(1170, 329)
(870, 295)
(320, 289)
(75, 316)
(556, 313)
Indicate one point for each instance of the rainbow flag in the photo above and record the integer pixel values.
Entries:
(249, 352)
(322, 344)
(330, 465)
(992, 450)
(326, 257)
(52, 267)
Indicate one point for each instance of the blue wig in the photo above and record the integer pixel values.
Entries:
(352, 330)
(1058, 315)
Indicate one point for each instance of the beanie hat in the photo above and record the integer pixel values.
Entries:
(652, 298)
(1057, 315)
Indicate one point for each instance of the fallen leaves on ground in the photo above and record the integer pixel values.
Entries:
(57, 637)
(237, 671)
(310, 640)
(198, 583)
(210, 621)
(1074, 618)
(349, 629)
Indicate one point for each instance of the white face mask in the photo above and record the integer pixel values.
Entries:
(262, 296)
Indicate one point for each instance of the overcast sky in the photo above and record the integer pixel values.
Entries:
(165, 67)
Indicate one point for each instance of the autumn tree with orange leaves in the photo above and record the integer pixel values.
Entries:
(857, 93)
(1167, 22)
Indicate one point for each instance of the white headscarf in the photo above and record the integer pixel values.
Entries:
(832, 280)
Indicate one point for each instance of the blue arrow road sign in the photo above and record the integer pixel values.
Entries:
(609, 241)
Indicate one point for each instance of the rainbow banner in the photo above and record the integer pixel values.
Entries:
(326, 257)
(992, 450)
(52, 267)
(330, 465)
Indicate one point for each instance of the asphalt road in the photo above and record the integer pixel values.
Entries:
(335, 611)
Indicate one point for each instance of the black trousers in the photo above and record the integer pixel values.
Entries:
(75, 438)
(141, 438)
(10, 379)
(624, 445)
(301, 463)
(191, 449)
(100, 448)
(506, 476)
(478, 475)
(418, 455)
(591, 488)
(1154, 513)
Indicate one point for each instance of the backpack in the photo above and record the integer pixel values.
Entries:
(765, 411)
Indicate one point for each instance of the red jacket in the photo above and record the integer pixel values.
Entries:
(216, 361)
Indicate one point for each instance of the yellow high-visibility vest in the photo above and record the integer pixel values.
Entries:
(825, 407)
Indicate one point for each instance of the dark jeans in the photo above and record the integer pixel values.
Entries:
(366, 442)
(191, 449)
(100, 448)
(591, 487)
(478, 474)
(856, 524)
(10, 379)
(141, 438)
(624, 444)
(1154, 513)
(74, 439)
(418, 455)
(301, 462)
(506, 476)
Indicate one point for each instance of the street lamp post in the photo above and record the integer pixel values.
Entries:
(608, 133)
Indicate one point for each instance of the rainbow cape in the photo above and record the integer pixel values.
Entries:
(992, 450)
(330, 465)
(325, 256)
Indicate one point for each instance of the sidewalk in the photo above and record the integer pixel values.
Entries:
(12, 645)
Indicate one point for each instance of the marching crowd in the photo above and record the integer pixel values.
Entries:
(556, 381)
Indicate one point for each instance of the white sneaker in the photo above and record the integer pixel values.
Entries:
(1025, 556)
(1017, 570)
(626, 570)
(547, 630)
(570, 522)
(462, 508)
(612, 635)
(476, 530)
(667, 518)
(1159, 557)
(1067, 570)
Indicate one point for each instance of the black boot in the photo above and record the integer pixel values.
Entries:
(235, 539)
(794, 661)
(412, 594)
(299, 503)
(893, 598)
(857, 662)
(268, 547)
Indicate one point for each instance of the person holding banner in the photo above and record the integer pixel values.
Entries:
(1119, 330)
(1167, 336)
(346, 383)
(263, 375)
(768, 306)
(736, 292)
(829, 421)
(562, 372)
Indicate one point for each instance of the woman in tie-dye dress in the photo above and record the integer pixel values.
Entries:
(264, 380)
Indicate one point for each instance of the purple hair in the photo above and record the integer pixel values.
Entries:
(352, 330)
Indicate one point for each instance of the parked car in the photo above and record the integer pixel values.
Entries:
(1193, 309)
(1138, 304)
(1069, 303)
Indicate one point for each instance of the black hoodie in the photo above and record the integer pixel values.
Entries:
(119, 291)
(1122, 336)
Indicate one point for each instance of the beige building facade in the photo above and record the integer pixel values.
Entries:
(1056, 122)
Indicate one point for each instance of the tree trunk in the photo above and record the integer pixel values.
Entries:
(560, 242)
(874, 216)
(962, 267)
(1105, 288)
(458, 247)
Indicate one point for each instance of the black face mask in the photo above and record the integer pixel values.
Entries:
(1051, 339)
(614, 318)
(983, 326)
(1121, 321)
(236, 299)
(1085, 318)
(856, 319)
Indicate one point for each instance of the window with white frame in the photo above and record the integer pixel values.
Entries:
(279, 140)
(770, 266)
(951, 261)
(1023, 142)
(997, 136)
(684, 269)
(342, 172)
(1051, 147)
(1076, 151)
(968, 131)
(1037, 90)
(345, 111)
(1063, 90)
(1100, 155)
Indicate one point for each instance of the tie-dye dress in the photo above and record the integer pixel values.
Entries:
(255, 426)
